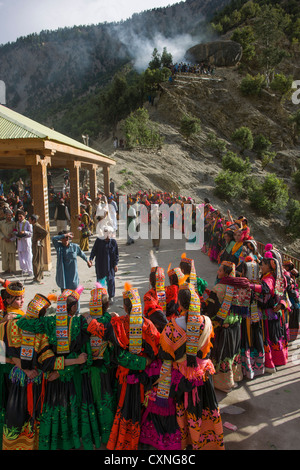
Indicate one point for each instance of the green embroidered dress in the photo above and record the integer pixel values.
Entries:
(68, 414)
(103, 375)
(81, 404)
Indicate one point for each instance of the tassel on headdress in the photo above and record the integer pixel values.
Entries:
(183, 279)
(269, 247)
(52, 297)
(79, 290)
(127, 288)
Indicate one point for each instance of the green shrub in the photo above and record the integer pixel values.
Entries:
(261, 144)
(269, 197)
(139, 131)
(252, 86)
(243, 138)
(281, 84)
(213, 142)
(229, 185)
(293, 217)
(189, 126)
(267, 158)
(245, 37)
(236, 164)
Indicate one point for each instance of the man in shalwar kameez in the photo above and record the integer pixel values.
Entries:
(106, 252)
(66, 266)
(24, 236)
(7, 237)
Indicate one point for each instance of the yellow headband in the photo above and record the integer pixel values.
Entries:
(15, 293)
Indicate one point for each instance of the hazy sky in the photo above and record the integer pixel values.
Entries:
(23, 17)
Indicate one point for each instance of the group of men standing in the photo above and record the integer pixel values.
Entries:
(25, 238)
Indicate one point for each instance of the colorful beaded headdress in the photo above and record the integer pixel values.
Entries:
(15, 293)
(95, 302)
(231, 265)
(170, 335)
(160, 286)
(193, 277)
(96, 310)
(177, 272)
(252, 243)
(193, 327)
(33, 310)
(274, 258)
(252, 269)
(252, 273)
(135, 319)
(62, 333)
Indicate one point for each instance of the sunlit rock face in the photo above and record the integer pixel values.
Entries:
(218, 53)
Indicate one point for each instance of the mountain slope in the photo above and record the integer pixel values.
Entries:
(189, 168)
(43, 72)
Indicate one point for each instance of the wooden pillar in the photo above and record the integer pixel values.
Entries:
(106, 180)
(39, 188)
(74, 167)
(93, 182)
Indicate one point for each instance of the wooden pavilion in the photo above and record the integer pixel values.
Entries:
(25, 143)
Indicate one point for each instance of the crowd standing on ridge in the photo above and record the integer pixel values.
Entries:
(74, 379)
(201, 69)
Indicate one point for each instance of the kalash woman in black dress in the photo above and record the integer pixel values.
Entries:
(252, 338)
(182, 408)
(139, 336)
(68, 419)
(228, 301)
(33, 358)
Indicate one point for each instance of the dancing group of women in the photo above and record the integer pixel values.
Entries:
(146, 378)
(100, 379)
(264, 313)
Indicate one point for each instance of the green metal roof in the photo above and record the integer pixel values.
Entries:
(16, 126)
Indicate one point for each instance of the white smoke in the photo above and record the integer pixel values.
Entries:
(141, 48)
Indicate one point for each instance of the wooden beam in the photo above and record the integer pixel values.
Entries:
(39, 144)
(39, 188)
(87, 156)
(93, 182)
(33, 160)
(106, 180)
(74, 167)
